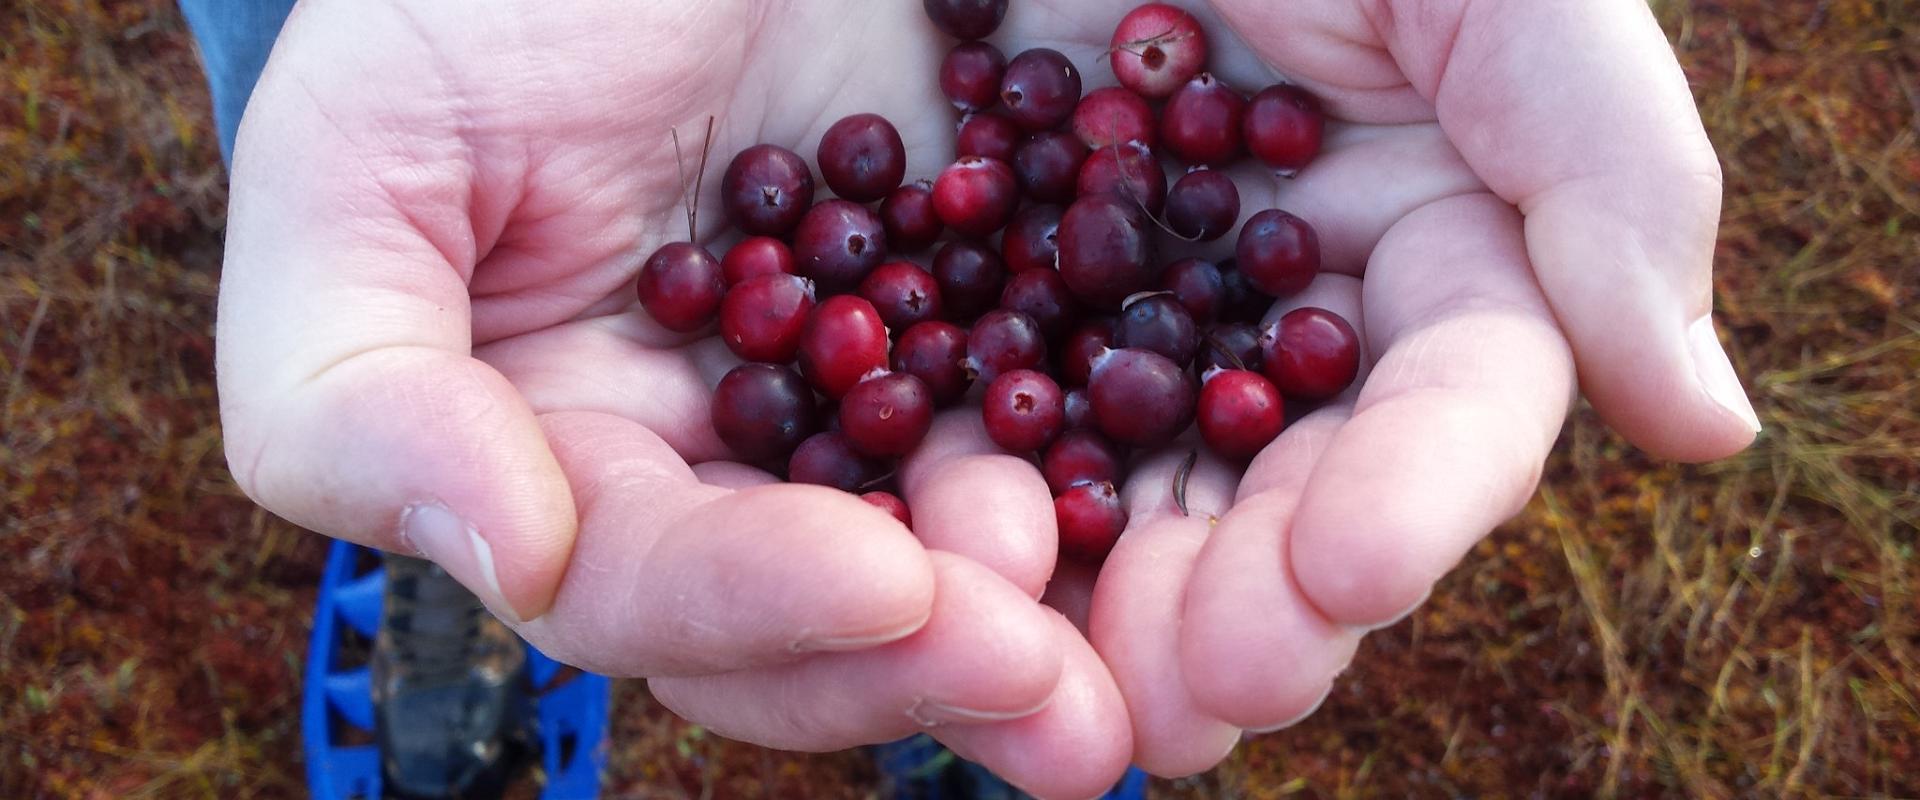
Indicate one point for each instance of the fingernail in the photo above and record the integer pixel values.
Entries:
(1295, 720)
(810, 644)
(442, 537)
(1715, 371)
(928, 713)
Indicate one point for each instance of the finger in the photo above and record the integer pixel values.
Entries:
(674, 577)
(987, 653)
(1071, 592)
(732, 475)
(1450, 431)
(1135, 621)
(1076, 746)
(970, 497)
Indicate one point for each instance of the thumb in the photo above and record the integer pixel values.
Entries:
(1578, 114)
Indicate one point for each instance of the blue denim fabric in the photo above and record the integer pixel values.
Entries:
(235, 37)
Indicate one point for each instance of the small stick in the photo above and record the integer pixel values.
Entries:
(1180, 477)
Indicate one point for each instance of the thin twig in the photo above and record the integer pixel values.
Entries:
(1180, 480)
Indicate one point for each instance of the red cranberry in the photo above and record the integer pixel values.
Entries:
(892, 504)
(1232, 345)
(970, 75)
(1201, 123)
(1196, 283)
(1278, 252)
(908, 218)
(1113, 115)
(976, 196)
(1129, 169)
(936, 353)
(1283, 125)
(763, 411)
(842, 342)
(1311, 353)
(1047, 165)
(1106, 250)
(838, 243)
(1023, 410)
(987, 136)
(681, 285)
(1203, 205)
(1041, 294)
(1157, 47)
(970, 275)
(1240, 413)
(766, 190)
(1242, 302)
(1003, 341)
(903, 293)
(1159, 323)
(1079, 410)
(965, 19)
(1140, 397)
(828, 459)
(1091, 520)
(762, 318)
(1040, 89)
(756, 255)
(887, 415)
(1085, 344)
(862, 158)
(1079, 456)
(1032, 239)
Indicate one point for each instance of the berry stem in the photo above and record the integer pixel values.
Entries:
(1180, 477)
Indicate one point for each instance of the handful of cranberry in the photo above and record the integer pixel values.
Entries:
(1045, 298)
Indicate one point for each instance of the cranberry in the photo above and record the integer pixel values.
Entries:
(987, 136)
(976, 196)
(1047, 165)
(681, 285)
(1091, 520)
(1203, 205)
(766, 190)
(1023, 410)
(970, 75)
(762, 318)
(1140, 397)
(1079, 411)
(1283, 126)
(1201, 123)
(1079, 456)
(1197, 284)
(1242, 302)
(936, 353)
(965, 19)
(756, 255)
(828, 459)
(1040, 89)
(1113, 115)
(908, 218)
(1233, 345)
(842, 342)
(1157, 47)
(1311, 353)
(903, 293)
(970, 275)
(1003, 341)
(1041, 294)
(1085, 344)
(1159, 323)
(838, 243)
(1106, 252)
(1278, 252)
(1240, 413)
(1129, 169)
(1032, 239)
(887, 415)
(862, 158)
(890, 503)
(763, 411)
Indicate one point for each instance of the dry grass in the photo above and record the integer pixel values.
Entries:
(1741, 629)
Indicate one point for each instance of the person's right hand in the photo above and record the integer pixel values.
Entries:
(428, 341)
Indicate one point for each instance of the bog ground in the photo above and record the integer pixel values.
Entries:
(1747, 628)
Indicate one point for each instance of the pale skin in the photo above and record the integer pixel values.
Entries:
(427, 330)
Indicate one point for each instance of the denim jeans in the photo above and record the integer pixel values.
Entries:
(235, 37)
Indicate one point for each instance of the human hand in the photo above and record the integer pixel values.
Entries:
(1508, 191)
